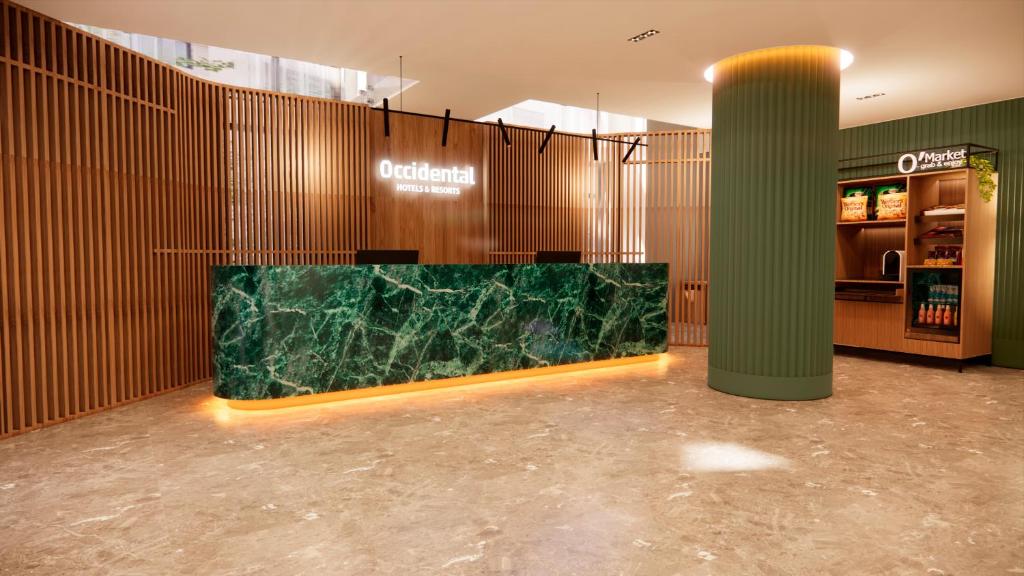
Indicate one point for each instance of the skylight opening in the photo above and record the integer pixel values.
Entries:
(541, 114)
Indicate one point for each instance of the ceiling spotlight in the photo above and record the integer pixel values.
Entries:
(644, 35)
(870, 96)
(845, 59)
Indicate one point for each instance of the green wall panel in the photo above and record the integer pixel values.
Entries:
(1000, 125)
(775, 126)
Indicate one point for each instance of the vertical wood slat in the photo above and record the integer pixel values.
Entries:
(7, 317)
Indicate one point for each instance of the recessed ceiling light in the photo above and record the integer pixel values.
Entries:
(870, 96)
(845, 59)
(644, 35)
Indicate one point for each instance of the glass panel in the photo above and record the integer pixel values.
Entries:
(260, 71)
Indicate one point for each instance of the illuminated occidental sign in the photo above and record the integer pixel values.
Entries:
(933, 159)
(420, 177)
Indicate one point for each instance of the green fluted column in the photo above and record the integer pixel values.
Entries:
(775, 133)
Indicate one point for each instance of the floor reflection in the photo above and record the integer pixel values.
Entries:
(728, 457)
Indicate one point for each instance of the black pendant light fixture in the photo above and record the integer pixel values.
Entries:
(630, 151)
(444, 132)
(504, 133)
(547, 137)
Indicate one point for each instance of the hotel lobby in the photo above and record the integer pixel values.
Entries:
(527, 288)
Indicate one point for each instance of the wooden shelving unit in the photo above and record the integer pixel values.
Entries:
(873, 312)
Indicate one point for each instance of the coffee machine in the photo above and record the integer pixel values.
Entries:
(892, 265)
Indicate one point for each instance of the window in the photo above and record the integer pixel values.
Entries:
(251, 70)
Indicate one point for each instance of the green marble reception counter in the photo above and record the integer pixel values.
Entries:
(293, 331)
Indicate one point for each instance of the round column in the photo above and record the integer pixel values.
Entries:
(775, 135)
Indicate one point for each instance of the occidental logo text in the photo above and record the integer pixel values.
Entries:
(420, 177)
(931, 160)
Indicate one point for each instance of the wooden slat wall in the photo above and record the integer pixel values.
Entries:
(653, 208)
(678, 168)
(559, 200)
(122, 180)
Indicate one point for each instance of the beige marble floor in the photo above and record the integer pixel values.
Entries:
(633, 470)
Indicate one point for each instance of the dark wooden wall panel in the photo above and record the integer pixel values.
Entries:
(446, 229)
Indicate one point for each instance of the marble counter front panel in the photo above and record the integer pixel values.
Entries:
(282, 331)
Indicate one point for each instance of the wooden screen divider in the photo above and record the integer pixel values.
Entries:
(678, 214)
(652, 208)
(123, 179)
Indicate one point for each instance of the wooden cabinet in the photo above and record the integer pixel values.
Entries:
(883, 313)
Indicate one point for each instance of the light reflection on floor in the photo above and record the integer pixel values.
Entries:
(727, 457)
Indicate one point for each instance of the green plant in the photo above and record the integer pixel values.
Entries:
(986, 186)
(208, 65)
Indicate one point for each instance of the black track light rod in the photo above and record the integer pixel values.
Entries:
(387, 120)
(630, 151)
(547, 137)
(444, 133)
(612, 139)
(593, 140)
(504, 133)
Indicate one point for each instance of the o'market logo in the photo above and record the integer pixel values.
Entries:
(430, 180)
(933, 159)
(902, 163)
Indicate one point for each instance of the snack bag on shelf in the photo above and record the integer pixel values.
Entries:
(854, 205)
(891, 202)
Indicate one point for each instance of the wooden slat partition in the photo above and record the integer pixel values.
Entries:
(652, 208)
(122, 180)
(678, 209)
(562, 199)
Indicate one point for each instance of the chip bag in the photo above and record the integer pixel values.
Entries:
(891, 202)
(854, 204)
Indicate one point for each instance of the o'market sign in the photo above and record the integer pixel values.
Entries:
(933, 159)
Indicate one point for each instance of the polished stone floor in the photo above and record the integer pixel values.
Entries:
(622, 471)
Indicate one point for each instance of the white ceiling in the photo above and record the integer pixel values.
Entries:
(476, 57)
